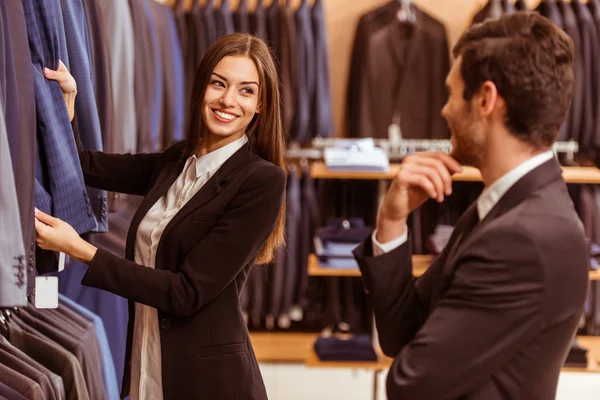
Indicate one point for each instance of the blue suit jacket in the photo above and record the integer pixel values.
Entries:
(80, 64)
(60, 190)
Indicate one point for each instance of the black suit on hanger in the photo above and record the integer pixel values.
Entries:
(209, 24)
(258, 22)
(224, 19)
(576, 112)
(240, 17)
(591, 77)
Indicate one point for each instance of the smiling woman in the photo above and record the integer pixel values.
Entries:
(213, 207)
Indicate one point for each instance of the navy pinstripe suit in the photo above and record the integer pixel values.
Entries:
(80, 66)
(60, 189)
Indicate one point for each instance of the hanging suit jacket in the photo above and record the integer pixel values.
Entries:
(143, 76)
(29, 371)
(20, 383)
(416, 56)
(52, 356)
(224, 19)
(9, 393)
(80, 66)
(59, 190)
(172, 75)
(119, 28)
(13, 284)
(550, 10)
(271, 21)
(101, 73)
(202, 352)
(25, 97)
(209, 24)
(240, 17)
(321, 111)
(576, 111)
(289, 69)
(258, 21)
(518, 310)
(594, 7)
(591, 76)
(80, 346)
(157, 95)
(56, 389)
(305, 57)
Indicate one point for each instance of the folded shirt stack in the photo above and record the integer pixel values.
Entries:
(357, 156)
(335, 242)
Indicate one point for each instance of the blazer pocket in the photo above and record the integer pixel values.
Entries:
(222, 349)
(205, 216)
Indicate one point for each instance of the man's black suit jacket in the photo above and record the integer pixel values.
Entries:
(493, 317)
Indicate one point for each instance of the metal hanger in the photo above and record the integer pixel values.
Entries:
(406, 13)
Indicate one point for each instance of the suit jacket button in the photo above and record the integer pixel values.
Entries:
(165, 323)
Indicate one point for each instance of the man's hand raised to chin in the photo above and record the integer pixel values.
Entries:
(422, 176)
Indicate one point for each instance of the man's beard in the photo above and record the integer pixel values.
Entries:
(465, 148)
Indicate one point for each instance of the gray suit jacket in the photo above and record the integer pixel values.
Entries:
(56, 383)
(91, 365)
(11, 361)
(29, 388)
(494, 315)
(116, 17)
(13, 289)
(27, 132)
(52, 356)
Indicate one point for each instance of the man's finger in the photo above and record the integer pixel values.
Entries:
(442, 170)
(432, 175)
(420, 181)
(453, 165)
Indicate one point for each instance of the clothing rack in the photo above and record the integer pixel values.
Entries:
(400, 149)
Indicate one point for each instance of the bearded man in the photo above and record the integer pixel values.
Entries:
(493, 317)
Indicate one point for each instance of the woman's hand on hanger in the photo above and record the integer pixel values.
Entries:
(421, 176)
(67, 84)
(57, 235)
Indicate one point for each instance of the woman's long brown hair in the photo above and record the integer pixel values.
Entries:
(265, 131)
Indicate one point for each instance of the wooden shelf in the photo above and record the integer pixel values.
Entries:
(298, 348)
(581, 175)
(420, 264)
(384, 362)
(282, 346)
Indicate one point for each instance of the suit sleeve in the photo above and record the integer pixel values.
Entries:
(491, 310)
(121, 173)
(400, 301)
(212, 265)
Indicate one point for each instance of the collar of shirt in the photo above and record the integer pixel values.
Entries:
(492, 194)
(212, 161)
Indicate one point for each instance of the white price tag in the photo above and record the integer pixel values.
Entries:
(61, 261)
(46, 292)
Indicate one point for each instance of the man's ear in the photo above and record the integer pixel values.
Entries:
(487, 100)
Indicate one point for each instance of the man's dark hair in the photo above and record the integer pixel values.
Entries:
(529, 59)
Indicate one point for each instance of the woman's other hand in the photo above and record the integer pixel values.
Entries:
(67, 84)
